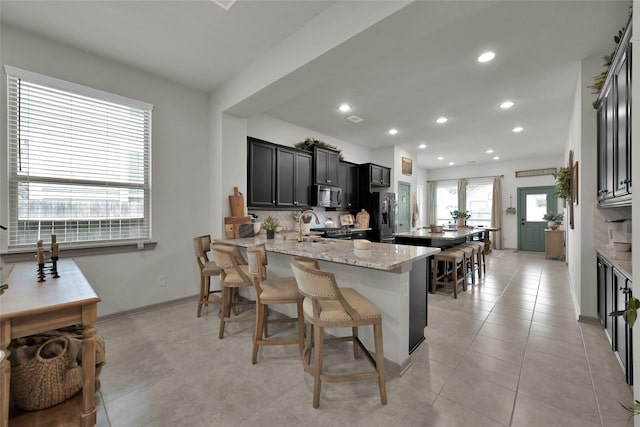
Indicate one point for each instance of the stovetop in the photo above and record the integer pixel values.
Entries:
(336, 232)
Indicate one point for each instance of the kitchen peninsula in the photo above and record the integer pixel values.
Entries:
(394, 277)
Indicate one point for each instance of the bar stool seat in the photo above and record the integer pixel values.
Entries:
(480, 257)
(281, 290)
(208, 269)
(235, 274)
(446, 265)
(328, 306)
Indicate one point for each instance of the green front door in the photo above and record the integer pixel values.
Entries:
(404, 206)
(533, 203)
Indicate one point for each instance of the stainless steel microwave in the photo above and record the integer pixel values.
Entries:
(326, 196)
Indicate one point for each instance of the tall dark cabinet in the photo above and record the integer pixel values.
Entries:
(325, 166)
(614, 129)
(261, 185)
(293, 177)
(348, 181)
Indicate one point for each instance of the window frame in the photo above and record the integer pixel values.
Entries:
(143, 241)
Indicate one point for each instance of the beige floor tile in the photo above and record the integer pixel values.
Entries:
(497, 348)
(569, 370)
(449, 413)
(571, 398)
(509, 321)
(514, 337)
(491, 368)
(529, 412)
(485, 397)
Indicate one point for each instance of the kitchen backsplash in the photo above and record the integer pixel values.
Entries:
(611, 224)
(288, 223)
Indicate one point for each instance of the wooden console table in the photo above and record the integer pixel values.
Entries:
(29, 308)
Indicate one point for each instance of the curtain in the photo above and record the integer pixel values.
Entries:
(496, 213)
(432, 209)
(462, 195)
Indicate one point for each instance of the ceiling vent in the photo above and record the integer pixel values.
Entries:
(225, 4)
(355, 119)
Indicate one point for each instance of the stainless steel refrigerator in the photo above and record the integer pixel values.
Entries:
(384, 214)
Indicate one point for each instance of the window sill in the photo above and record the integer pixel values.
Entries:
(76, 251)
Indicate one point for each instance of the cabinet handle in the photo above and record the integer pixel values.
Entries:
(295, 202)
(328, 181)
(273, 202)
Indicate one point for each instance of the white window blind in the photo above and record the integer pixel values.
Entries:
(80, 163)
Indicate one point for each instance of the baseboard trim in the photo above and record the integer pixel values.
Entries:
(588, 319)
(148, 308)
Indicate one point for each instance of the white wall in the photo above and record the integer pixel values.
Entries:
(180, 168)
(510, 184)
(280, 132)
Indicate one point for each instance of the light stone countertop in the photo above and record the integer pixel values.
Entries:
(445, 235)
(620, 260)
(381, 256)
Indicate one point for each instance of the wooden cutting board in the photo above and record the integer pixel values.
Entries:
(236, 203)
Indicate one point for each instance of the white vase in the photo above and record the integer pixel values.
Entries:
(306, 228)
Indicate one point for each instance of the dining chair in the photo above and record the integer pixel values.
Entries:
(234, 275)
(281, 290)
(326, 305)
(208, 269)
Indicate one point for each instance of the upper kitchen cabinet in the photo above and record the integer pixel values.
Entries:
(348, 182)
(261, 174)
(614, 129)
(325, 166)
(278, 177)
(293, 177)
(376, 175)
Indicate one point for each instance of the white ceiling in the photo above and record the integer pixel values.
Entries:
(403, 72)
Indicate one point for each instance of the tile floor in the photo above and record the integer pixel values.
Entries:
(508, 352)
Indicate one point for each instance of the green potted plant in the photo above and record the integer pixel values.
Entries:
(270, 224)
(555, 219)
(461, 217)
(563, 182)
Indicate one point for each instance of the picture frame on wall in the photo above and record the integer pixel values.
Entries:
(407, 166)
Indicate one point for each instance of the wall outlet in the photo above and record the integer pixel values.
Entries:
(162, 281)
(140, 246)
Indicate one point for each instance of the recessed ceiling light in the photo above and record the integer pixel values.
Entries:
(489, 151)
(393, 131)
(442, 120)
(440, 158)
(344, 108)
(451, 163)
(422, 146)
(486, 57)
(517, 129)
(496, 158)
(506, 105)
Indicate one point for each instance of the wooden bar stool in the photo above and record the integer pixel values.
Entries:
(201, 246)
(469, 254)
(480, 257)
(281, 290)
(234, 275)
(450, 262)
(328, 306)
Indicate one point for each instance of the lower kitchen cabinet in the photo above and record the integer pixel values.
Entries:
(614, 291)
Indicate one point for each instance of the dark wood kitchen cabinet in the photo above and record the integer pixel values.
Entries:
(348, 182)
(278, 176)
(325, 166)
(614, 129)
(623, 334)
(261, 176)
(614, 291)
(293, 177)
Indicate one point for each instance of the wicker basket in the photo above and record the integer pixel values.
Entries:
(40, 382)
